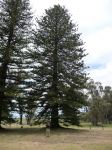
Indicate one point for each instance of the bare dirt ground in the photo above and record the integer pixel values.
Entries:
(61, 139)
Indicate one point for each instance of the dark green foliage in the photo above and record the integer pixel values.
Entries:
(15, 19)
(58, 72)
(48, 80)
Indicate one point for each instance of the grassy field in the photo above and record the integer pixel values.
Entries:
(61, 139)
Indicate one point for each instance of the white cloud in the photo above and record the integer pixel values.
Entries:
(94, 19)
(85, 12)
(103, 75)
(99, 46)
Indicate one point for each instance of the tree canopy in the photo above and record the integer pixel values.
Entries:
(42, 69)
(15, 19)
(59, 74)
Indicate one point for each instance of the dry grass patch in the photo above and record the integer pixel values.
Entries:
(61, 139)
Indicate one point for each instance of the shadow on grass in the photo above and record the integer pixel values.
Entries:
(64, 130)
(22, 130)
(39, 131)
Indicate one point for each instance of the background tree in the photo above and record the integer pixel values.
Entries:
(107, 98)
(95, 102)
(99, 103)
(58, 72)
(15, 21)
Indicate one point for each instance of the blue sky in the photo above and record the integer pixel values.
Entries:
(94, 18)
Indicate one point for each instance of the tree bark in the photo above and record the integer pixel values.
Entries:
(0, 119)
(54, 117)
(3, 75)
(4, 68)
(95, 121)
(54, 108)
(21, 118)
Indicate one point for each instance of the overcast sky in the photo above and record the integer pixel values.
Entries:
(94, 18)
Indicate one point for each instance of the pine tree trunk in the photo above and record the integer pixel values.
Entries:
(95, 121)
(3, 73)
(1, 128)
(21, 120)
(28, 120)
(54, 109)
(0, 118)
(0, 111)
(54, 117)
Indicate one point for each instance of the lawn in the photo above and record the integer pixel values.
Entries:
(33, 138)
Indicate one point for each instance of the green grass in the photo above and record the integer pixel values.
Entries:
(108, 125)
(98, 147)
(88, 125)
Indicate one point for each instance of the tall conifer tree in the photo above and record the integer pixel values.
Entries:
(15, 20)
(59, 74)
